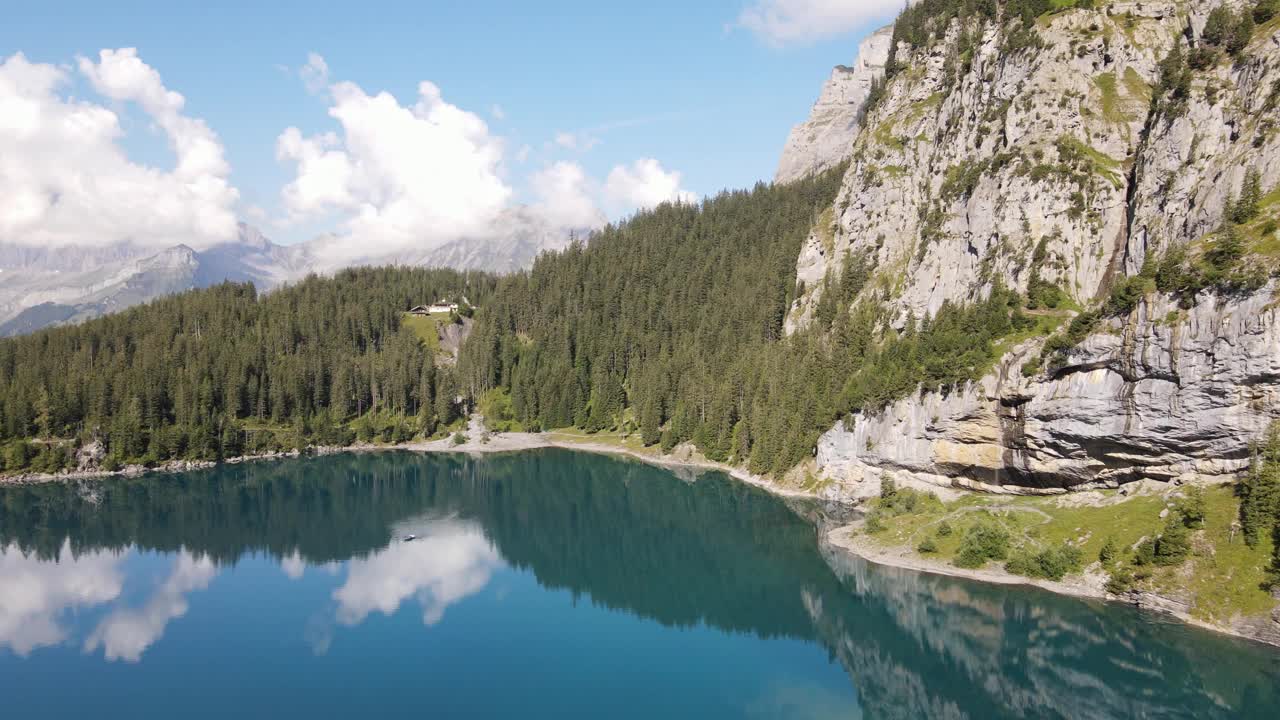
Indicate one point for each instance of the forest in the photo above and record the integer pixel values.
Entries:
(225, 371)
(671, 325)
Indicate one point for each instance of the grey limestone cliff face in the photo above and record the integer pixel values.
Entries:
(825, 139)
(985, 165)
(1166, 394)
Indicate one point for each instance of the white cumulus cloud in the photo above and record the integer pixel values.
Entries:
(66, 180)
(644, 184)
(397, 176)
(566, 196)
(792, 22)
(315, 74)
(579, 141)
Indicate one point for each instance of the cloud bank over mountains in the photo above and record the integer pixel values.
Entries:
(397, 176)
(392, 176)
(65, 178)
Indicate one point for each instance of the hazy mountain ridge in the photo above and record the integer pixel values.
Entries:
(40, 287)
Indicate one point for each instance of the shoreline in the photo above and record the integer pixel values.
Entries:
(498, 443)
(518, 441)
(1088, 585)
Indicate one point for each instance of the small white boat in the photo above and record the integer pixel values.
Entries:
(407, 538)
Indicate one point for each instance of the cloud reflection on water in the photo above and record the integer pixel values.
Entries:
(293, 565)
(449, 561)
(127, 632)
(35, 592)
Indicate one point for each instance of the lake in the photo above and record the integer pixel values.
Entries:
(546, 583)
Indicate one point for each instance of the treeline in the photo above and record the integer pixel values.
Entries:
(671, 324)
(1260, 501)
(223, 371)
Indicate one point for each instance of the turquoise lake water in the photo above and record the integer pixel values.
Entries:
(540, 584)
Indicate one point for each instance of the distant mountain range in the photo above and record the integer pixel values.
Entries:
(41, 287)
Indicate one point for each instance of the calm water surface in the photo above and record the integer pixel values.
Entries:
(540, 584)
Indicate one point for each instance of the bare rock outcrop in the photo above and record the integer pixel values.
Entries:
(825, 139)
(1168, 394)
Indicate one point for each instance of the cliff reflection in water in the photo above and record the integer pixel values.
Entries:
(626, 536)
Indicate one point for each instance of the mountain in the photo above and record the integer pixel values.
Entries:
(64, 285)
(520, 236)
(1050, 263)
(825, 139)
(1046, 261)
(1113, 165)
(40, 287)
(43, 294)
(513, 240)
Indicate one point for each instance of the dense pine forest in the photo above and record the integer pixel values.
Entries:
(671, 324)
(224, 371)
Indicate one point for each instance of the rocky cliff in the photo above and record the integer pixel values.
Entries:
(825, 139)
(1167, 394)
(1062, 153)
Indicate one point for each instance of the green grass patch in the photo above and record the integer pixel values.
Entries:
(826, 230)
(1111, 104)
(1226, 574)
(884, 135)
(427, 328)
(1260, 234)
(1049, 537)
(1137, 87)
(629, 442)
(918, 109)
(1056, 7)
(813, 483)
(495, 406)
(1099, 162)
(1045, 325)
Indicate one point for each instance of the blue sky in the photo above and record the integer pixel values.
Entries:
(683, 83)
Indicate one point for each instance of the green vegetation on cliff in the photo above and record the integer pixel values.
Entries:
(1211, 548)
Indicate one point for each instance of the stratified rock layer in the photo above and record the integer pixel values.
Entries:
(1166, 394)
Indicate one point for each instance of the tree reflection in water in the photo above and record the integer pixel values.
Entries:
(629, 537)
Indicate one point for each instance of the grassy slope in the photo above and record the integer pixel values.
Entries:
(1222, 577)
(427, 328)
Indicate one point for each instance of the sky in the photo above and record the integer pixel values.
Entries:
(394, 123)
